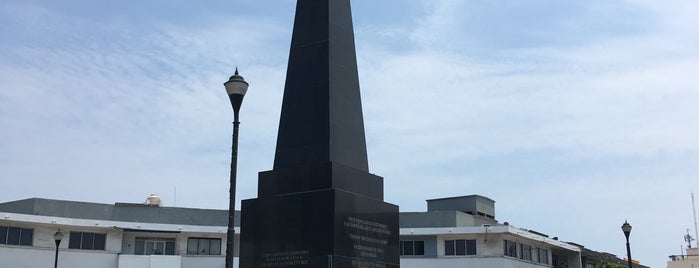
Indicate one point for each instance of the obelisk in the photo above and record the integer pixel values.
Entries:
(320, 206)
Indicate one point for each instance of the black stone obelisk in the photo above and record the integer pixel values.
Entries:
(320, 206)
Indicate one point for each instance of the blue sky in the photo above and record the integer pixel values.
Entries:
(572, 115)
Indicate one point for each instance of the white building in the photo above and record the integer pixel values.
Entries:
(110, 236)
(691, 260)
(454, 232)
(460, 230)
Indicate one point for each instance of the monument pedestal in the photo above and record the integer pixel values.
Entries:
(320, 229)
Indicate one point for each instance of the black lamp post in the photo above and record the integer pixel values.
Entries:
(58, 236)
(627, 231)
(236, 87)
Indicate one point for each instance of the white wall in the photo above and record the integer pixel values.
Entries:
(152, 261)
(683, 264)
(28, 257)
(206, 262)
(461, 262)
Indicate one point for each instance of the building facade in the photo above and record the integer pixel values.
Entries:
(463, 230)
(110, 236)
(453, 232)
(690, 260)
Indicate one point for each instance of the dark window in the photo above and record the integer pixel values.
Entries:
(26, 237)
(543, 256)
(449, 248)
(526, 252)
(407, 248)
(215, 246)
(170, 247)
(412, 248)
(470, 247)
(13, 234)
(16, 236)
(420, 248)
(100, 241)
(510, 248)
(89, 241)
(459, 247)
(154, 246)
(140, 246)
(74, 240)
(204, 246)
(3, 235)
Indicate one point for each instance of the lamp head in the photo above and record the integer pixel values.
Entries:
(58, 236)
(626, 228)
(236, 87)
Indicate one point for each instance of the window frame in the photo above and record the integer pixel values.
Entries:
(460, 247)
(169, 246)
(546, 254)
(87, 240)
(417, 248)
(524, 248)
(20, 236)
(509, 248)
(3, 235)
(407, 248)
(199, 248)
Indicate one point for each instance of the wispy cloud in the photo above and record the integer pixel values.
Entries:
(552, 109)
(586, 114)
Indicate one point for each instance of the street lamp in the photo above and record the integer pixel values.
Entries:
(58, 236)
(627, 231)
(236, 87)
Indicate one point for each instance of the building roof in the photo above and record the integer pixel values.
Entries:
(125, 212)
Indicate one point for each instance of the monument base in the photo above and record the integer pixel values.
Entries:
(328, 228)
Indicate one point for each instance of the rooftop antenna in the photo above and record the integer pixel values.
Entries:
(688, 238)
(694, 209)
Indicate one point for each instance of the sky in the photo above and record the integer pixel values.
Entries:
(574, 116)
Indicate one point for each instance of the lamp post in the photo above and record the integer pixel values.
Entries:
(236, 87)
(626, 228)
(58, 236)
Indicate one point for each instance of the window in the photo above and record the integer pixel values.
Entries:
(412, 248)
(510, 248)
(204, 246)
(459, 247)
(154, 246)
(16, 236)
(526, 252)
(89, 241)
(589, 265)
(543, 256)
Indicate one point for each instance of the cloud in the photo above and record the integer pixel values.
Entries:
(141, 100)
(589, 116)
(562, 112)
